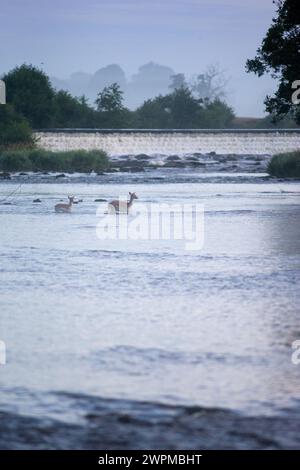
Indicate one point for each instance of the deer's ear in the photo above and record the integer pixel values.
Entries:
(130, 193)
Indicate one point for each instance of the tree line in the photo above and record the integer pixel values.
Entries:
(33, 103)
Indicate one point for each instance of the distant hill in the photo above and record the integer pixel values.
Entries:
(246, 122)
(262, 123)
(151, 80)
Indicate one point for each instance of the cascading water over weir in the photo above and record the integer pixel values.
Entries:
(168, 142)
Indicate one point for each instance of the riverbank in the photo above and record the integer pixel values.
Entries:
(36, 160)
(285, 165)
(107, 424)
(79, 164)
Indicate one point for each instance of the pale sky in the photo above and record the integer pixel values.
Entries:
(66, 36)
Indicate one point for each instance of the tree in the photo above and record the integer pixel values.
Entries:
(153, 114)
(151, 80)
(176, 110)
(185, 109)
(217, 114)
(209, 85)
(110, 106)
(70, 111)
(30, 92)
(14, 129)
(181, 110)
(110, 99)
(279, 55)
(177, 81)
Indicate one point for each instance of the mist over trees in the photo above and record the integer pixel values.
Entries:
(177, 81)
(150, 81)
(35, 101)
(210, 85)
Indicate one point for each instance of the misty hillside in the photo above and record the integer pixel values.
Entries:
(150, 80)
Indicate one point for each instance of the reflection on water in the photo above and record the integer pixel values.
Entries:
(149, 320)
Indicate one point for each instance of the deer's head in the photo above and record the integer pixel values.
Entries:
(132, 196)
(71, 198)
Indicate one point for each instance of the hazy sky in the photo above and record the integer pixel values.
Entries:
(187, 35)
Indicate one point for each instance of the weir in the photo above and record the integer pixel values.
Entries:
(172, 141)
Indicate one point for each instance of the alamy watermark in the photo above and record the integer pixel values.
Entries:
(295, 358)
(2, 353)
(296, 93)
(2, 92)
(153, 221)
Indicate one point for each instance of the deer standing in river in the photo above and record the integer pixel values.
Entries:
(121, 206)
(65, 207)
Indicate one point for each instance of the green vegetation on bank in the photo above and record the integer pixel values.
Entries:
(285, 165)
(14, 129)
(33, 99)
(82, 161)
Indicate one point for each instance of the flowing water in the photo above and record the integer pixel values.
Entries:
(147, 328)
(172, 141)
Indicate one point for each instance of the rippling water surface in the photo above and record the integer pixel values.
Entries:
(148, 320)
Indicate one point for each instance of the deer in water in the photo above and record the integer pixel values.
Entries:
(122, 206)
(65, 207)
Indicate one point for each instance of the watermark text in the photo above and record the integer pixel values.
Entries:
(183, 222)
(2, 353)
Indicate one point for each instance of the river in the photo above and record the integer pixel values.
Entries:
(100, 333)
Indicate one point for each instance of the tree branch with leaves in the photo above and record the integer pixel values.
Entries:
(279, 55)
